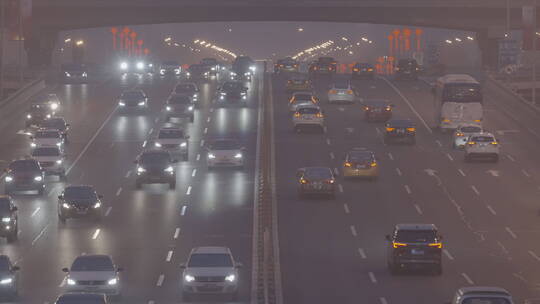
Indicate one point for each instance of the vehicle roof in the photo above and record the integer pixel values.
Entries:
(211, 249)
(302, 93)
(154, 151)
(79, 296)
(94, 256)
(400, 122)
(483, 290)
(457, 78)
(482, 134)
(418, 227)
(171, 129)
(469, 125)
(307, 105)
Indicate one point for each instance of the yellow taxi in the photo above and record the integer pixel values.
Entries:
(360, 162)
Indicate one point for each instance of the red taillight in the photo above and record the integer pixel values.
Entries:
(329, 181)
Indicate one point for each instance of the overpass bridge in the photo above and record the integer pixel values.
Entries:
(485, 17)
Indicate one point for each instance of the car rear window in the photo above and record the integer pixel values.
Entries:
(47, 134)
(232, 86)
(360, 156)
(341, 86)
(80, 192)
(92, 263)
(184, 87)
(471, 129)
(179, 99)
(210, 260)
(308, 111)
(486, 300)
(54, 123)
(46, 151)
(416, 236)
(483, 139)
(318, 173)
(133, 94)
(302, 96)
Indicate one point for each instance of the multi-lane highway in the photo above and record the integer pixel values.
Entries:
(148, 232)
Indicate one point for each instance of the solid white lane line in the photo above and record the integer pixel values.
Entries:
(160, 280)
(438, 142)
(194, 172)
(408, 189)
(491, 210)
(202, 142)
(176, 233)
(510, 157)
(63, 283)
(466, 277)
(144, 144)
(96, 234)
(346, 207)
(198, 156)
(183, 211)
(208, 119)
(525, 173)
(128, 173)
(108, 211)
(449, 157)
(448, 255)
(188, 192)
(340, 187)
(169, 256)
(372, 277)
(390, 156)
(35, 211)
(353, 230)
(362, 253)
(40, 234)
(475, 190)
(332, 156)
(418, 209)
(510, 232)
(534, 255)
(328, 141)
(383, 300)
(205, 130)
(461, 172)
(151, 302)
(398, 172)
(118, 191)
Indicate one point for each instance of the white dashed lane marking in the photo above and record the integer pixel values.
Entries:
(169, 256)
(372, 277)
(510, 157)
(398, 172)
(510, 232)
(118, 191)
(418, 209)
(383, 300)
(202, 142)
(35, 212)
(205, 130)
(328, 141)
(362, 253)
(438, 143)
(188, 192)
(536, 257)
(461, 172)
(160, 280)
(448, 255)
(491, 210)
(353, 230)
(183, 211)
(390, 156)
(176, 233)
(407, 189)
(466, 277)
(525, 173)
(128, 173)
(449, 157)
(194, 172)
(475, 190)
(108, 211)
(198, 156)
(332, 156)
(346, 207)
(340, 187)
(96, 234)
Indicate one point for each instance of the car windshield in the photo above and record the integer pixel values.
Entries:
(5, 208)
(54, 123)
(341, 86)
(47, 134)
(360, 156)
(46, 151)
(308, 110)
(184, 87)
(171, 134)
(92, 263)
(179, 99)
(233, 86)
(155, 158)
(132, 95)
(39, 107)
(210, 260)
(73, 67)
(25, 165)
(318, 173)
(303, 97)
(224, 145)
(482, 139)
(376, 103)
(79, 192)
(416, 236)
(470, 129)
(485, 300)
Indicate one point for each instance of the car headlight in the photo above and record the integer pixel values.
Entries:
(54, 106)
(177, 71)
(140, 65)
(123, 65)
(29, 116)
(68, 74)
(158, 145)
(48, 115)
(33, 144)
(190, 108)
(238, 155)
(142, 103)
(59, 161)
(230, 278)
(141, 169)
(121, 103)
(169, 169)
(97, 205)
(233, 73)
(211, 156)
(58, 144)
(195, 96)
(9, 179)
(189, 278)
(183, 144)
(71, 282)
(6, 219)
(38, 178)
(162, 71)
(84, 74)
(167, 108)
(113, 281)
(247, 74)
(223, 93)
(6, 281)
(66, 205)
(253, 68)
(188, 74)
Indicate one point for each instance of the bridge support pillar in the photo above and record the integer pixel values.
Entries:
(489, 49)
(39, 47)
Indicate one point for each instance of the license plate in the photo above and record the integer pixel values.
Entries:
(401, 131)
(81, 211)
(417, 251)
(361, 166)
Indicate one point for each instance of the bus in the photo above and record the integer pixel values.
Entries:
(458, 100)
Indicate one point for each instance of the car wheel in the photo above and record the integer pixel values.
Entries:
(12, 237)
(61, 219)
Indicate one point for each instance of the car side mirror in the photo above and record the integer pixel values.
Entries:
(183, 266)
(239, 265)
(100, 196)
(15, 268)
(387, 237)
(119, 269)
(65, 270)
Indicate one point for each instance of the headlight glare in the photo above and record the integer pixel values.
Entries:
(211, 156)
(9, 179)
(113, 281)
(70, 282)
(230, 278)
(97, 205)
(238, 155)
(157, 145)
(6, 281)
(169, 169)
(189, 278)
(6, 219)
(66, 205)
(140, 169)
(38, 178)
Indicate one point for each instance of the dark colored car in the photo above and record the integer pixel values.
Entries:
(198, 71)
(315, 180)
(170, 68)
(286, 65)
(24, 175)
(377, 110)
(212, 64)
(9, 278)
(243, 68)
(414, 246)
(56, 123)
(323, 66)
(80, 201)
(179, 106)
(407, 69)
(232, 91)
(188, 88)
(155, 167)
(133, 99)
(363, 70)
(37, 113)
(81, 298)
(74, 73)
(402, 130)
(9, 227)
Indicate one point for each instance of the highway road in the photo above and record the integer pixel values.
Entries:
(148, 232)
(334, 251)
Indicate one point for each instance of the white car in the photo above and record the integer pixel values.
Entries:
(482, 145)
(47, 138)
(210, 270)
(341, 92)
(173, 140)
(225, 153)
(308, 116)
(51, 160)
(93, 273)
(482, 294)
(8, 278)
(462, 133)
(301, 98)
